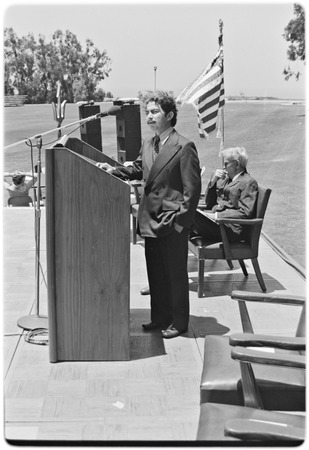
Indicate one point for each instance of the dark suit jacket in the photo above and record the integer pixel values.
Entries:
(172, 185)
(234, 200)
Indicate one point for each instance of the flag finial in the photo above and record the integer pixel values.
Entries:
(221, 33)
(220, 26)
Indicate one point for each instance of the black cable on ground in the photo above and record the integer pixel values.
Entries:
(37, 336)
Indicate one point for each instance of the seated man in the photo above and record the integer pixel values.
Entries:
(21, 184)
(231, 193)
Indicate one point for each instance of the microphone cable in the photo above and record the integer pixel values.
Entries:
(112, 111)
(37, 336)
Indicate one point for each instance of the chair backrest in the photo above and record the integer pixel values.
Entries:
(253, 233)
(262, 201)
(22, 200)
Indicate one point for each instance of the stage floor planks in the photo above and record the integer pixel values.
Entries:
(152, 397)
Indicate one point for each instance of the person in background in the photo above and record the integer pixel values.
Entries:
(21, 183)
(231, 193)
(169, 165)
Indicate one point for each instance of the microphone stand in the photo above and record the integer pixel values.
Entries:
(32, 322)
(59, 109)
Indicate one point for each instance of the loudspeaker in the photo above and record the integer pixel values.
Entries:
(90, 132)
(128, 128)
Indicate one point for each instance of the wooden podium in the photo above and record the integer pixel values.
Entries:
(88, 256)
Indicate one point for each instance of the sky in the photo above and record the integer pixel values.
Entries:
(179, 38)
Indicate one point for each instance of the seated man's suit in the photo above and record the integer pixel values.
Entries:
(233, 199)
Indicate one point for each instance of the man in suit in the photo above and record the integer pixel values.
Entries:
(169, 165)
(231, 193)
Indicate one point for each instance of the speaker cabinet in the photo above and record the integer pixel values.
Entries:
(90, 132)
(128, 128)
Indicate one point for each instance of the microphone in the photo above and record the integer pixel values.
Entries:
(111, 112)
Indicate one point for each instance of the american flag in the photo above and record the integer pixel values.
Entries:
(206, 93)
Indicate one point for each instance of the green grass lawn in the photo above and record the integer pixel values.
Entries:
(272, 133)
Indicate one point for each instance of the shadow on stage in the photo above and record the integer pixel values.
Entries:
(150, 344)
(221, 284)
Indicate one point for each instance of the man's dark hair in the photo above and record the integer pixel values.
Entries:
(18, 179)
(167, 103)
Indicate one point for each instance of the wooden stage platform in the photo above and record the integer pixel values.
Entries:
(154, 396)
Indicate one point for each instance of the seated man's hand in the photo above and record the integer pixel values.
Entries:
(219, 173)
(105, 166)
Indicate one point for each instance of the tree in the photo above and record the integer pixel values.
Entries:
(294, 32)
(33, 68)
(99, 95)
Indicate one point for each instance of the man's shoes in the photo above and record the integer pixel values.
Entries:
(145, 290)
(152, 326)
(171, 332)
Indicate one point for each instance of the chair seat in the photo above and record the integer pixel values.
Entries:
(204, 249)
(281, 388)
(213, 417)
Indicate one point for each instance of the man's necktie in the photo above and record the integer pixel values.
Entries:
(155, 143)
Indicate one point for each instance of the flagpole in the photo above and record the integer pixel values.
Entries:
(222, 109)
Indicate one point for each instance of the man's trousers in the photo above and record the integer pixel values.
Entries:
(166, 260)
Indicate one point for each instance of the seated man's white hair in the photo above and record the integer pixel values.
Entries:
(236, 153)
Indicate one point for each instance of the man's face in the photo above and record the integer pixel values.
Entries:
(231, 167)
(156, 118)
